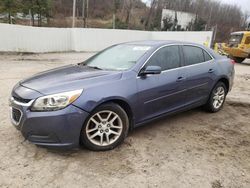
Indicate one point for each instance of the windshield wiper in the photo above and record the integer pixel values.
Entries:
(94, 67)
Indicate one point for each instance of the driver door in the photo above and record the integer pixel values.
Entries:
(164, 92)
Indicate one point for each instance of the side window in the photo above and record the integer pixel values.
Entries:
(167, 58)
(207, 57)
(247, 40)
(193, 55)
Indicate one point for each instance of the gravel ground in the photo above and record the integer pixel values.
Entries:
(191, 149)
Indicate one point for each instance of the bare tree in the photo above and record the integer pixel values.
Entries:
(150, 14)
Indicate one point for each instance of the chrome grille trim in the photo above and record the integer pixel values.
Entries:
(16, 123)
(12, 100)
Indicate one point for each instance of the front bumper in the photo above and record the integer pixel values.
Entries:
(56, 128)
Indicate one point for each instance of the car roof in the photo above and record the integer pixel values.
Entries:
(157, 43)
(240, 32)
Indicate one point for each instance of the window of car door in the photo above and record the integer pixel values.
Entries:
(195, 55)
(167, 58)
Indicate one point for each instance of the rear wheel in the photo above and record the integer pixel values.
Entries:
(106, 127)
(217, 98)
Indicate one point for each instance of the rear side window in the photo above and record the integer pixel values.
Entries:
(167, 58)
(193, 55)
(207, 57)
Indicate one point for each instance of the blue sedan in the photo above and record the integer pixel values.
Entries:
(95, 103)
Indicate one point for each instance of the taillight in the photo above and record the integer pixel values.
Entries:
(232, 61)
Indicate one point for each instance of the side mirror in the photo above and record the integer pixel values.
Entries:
(150, 70)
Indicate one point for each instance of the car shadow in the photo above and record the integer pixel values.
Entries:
(165, 122)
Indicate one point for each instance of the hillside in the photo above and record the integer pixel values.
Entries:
(129, 14)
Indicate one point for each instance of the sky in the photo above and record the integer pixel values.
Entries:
(244, 4)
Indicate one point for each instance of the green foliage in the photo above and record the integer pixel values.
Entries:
(29, 5)
(199, 24)
(10, 7)
(39, 7)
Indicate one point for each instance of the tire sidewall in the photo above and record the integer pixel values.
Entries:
(210, 102)
(124, 118)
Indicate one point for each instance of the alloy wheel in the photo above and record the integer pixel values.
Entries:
(219, 97)
(104, 128)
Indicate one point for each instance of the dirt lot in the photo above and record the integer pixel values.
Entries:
(191, 149)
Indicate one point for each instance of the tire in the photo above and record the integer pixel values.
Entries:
(218, 94)
(238, 59)
(105, 128)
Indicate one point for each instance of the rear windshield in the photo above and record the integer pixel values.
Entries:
(235, 39)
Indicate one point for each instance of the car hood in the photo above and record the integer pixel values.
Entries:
(68, 78)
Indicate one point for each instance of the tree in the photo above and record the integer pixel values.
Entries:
(167, 23)
(128, 9)
(116, 6)
(43, 8)
(40, 8)
(29, 8)
(246, 20)
(158, 15)
(199, 24)
(150, 14)
(11, 7)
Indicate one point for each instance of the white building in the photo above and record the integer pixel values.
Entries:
(183, 18)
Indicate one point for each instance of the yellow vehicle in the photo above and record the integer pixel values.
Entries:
(238, 47)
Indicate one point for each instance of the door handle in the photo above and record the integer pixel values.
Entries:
(179, 79)
(210, 70)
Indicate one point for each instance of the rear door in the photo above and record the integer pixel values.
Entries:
(199, 71)
(161, 93)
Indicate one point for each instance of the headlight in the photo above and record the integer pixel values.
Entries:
(55, 101)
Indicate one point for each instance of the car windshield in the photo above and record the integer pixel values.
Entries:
(119, 57)
(235, 38)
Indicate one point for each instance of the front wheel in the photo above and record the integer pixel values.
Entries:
(217, 98)
(106, 127)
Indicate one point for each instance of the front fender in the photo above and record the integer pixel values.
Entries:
(91, 105)
(124, 90)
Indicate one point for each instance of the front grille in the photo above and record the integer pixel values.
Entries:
(16, 115)
(19, 99)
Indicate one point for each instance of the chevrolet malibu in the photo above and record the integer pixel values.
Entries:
(95, 103)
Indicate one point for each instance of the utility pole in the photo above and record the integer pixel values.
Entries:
(113, 21)
(87, 13)
(83, 13)
(30, 17)
(210, 17)
(74, 13)
(114, 12)
(215, 28)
